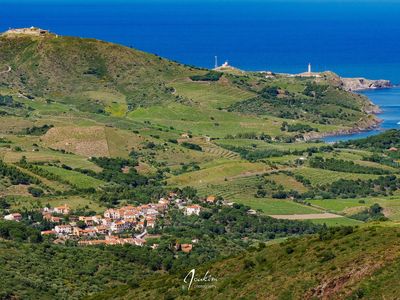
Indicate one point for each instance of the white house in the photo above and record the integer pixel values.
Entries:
(64, 209)
(112, 213)
(63, 229)
(13, 217)
(119, 226)
(192, 210)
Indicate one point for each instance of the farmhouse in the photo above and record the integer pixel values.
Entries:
(64, 209)
(185, 135)
(55, 219)
(186, 248)
(101, 229)
(48, 232)
(90, 221)
(13, 217)
(112, 213)
(63, 229)
(192, 210)
(211, 199)
(119, 226)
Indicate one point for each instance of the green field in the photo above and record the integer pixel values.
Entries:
(338, 222)
(75, 178)
(390, 204)
(278, 207)
(218, 173)
(212, 122)
(248, 143)
(215, 94)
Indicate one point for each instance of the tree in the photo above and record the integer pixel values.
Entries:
(35, 192)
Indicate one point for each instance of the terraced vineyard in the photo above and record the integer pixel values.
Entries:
(232, 189)
(214, 149)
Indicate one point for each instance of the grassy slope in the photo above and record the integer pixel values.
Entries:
(86, 69)
(364, 262)
(75, 178)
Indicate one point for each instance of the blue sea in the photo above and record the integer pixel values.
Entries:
(350, 37)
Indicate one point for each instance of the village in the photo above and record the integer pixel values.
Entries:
(117, 226)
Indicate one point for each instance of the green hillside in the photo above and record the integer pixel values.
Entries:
(334, 265)
(104, 78)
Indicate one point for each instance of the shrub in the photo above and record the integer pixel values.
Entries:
(191, 146)
(210, 76)
(35, 192)
(326, 256)
(248, 264)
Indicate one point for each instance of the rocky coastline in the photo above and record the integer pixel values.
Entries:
(359, 84)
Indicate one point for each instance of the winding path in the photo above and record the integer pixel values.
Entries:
(7, 71)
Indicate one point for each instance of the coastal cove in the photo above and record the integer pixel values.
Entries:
(388, 100)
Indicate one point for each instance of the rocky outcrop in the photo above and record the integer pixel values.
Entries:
(356, 84)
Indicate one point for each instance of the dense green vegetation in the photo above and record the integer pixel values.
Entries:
(344, 166)
(310, 104)
(191, 146)
(295, 269)
(19, 232)
(235, 224)
(383, 141)
(210, 76)
(38, 130)
(15, 175)
(344, 188)
(372, 213)
(297, 127)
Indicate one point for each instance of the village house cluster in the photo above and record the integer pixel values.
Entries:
(114, 221)
(130, 221)
(104, 229)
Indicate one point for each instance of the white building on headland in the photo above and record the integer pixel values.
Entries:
(34, 31)
(309, 73)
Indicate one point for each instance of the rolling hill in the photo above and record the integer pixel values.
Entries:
(340, 264)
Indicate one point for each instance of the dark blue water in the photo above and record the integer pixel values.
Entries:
(350, 37)
(389, 102)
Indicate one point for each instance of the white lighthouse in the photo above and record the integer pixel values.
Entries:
(309, 68)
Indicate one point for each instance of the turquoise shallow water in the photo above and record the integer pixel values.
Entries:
(389, 102)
